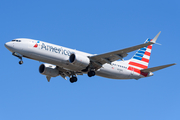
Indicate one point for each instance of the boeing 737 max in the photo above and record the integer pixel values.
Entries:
(67, 62)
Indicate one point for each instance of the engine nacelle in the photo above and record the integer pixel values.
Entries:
(49, 70)
(79, 60)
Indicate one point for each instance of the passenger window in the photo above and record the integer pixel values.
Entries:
(16, 40)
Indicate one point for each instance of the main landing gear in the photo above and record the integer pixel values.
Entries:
(91, 73)
(73, 79)
(20, 62)
(19, 56)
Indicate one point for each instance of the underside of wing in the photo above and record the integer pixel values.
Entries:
(67, 73)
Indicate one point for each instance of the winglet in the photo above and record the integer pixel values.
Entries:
(156, 37)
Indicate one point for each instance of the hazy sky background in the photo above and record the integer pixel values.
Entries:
(95, 27)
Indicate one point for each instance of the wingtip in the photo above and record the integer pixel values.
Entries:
(156, 37)
(174, 64)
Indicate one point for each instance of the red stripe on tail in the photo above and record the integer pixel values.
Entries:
(150, 47)
(137, 71)
(147, 53)
(145, 60)
(138, 65)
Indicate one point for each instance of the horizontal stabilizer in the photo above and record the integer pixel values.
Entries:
(156, 68)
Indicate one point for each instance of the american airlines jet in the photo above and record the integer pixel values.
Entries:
(66, 62)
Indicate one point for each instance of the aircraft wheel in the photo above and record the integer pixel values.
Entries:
(20, 62)
(91, 73)
(73, 79)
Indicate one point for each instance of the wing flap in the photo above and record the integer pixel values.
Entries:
(67, 73)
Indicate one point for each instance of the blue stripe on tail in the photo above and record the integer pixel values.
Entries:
(141, 51)
(141, 55)
(137, 58)
(148, 40)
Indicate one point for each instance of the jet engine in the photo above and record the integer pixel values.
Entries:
(48, 70)
(79, 60)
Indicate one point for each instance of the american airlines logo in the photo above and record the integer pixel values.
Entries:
(60, 50)
(36, 45)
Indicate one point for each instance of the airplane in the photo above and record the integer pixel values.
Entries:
(66, 62)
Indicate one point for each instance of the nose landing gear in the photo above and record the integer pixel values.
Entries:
(19, 56)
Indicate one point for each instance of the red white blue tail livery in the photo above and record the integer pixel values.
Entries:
(141, 59)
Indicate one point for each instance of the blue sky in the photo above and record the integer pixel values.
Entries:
(94, 27)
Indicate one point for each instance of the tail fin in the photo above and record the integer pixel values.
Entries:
(141, 59)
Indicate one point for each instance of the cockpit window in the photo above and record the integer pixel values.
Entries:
(16, 40)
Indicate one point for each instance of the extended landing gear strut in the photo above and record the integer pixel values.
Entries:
(73, 79)
(91, 73)
(19, 56)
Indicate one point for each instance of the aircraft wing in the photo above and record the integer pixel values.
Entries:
(157, 68)
(99, 60)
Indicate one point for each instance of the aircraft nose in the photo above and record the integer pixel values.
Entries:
(6, 45)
